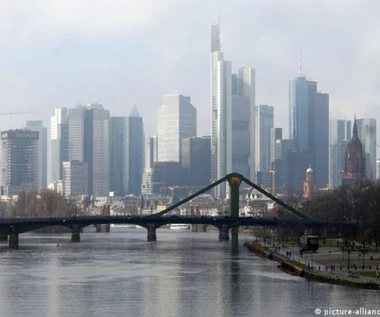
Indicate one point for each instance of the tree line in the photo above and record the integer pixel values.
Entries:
(47, 203)
(356, 203)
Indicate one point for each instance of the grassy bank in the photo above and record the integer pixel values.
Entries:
(294, 267)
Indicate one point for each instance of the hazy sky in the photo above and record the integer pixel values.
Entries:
(62, 53)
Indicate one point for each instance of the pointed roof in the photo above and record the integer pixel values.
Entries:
(355, 129)
(134, 112)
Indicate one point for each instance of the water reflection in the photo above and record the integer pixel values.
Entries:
(182, 274)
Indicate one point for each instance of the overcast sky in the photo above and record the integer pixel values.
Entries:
(62, 53)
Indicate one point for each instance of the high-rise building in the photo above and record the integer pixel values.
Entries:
(151, 152)
(340, 133)
(136, 150)
(89, 142)
(59, 140)
(37, 125)
(367, 134)
(281, 166)
(196, 161)
(264, 124)
(165, 175)
(75, 178)
(151, 156)
(118, 135)
(247, 88)
(309, 124)
(232, 97)
(239, 151)
(127, 154)
(275, 134)
(176, 120)
(20, 150)
(320, 153)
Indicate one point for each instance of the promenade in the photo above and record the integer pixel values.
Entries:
(330, 262)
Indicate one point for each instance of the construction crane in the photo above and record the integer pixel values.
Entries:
(15, 112)
(10, 114)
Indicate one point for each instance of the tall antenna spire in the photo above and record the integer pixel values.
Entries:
(299, 63)
(219, 15)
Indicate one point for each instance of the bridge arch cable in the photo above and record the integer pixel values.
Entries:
(277, 200)
(185, 200)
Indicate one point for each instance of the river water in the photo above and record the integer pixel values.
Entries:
(182, 274)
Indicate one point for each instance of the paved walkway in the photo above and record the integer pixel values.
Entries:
(311, 260)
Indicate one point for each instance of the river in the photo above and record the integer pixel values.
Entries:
(182, 274)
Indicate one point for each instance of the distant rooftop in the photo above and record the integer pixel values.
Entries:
(134, 112)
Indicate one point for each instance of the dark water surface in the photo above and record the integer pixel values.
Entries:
(182, 274)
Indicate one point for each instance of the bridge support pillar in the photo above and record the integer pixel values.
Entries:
(75, 233)
(3, 237)
(235, 236)
(151, 232)
(223, 233)
(13, 240)
(197, 228)
(105, 227)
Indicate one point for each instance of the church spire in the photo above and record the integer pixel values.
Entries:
(355, 129)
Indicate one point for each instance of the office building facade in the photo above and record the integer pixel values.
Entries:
(196, 161)
(264, 124)
(20, 152)
(89, 134)
(37, 125)
(74, 178)
(126, 154)
(232, 96)
(309, 124)
(367, 134)
(59, 143)
(176, 120)
(340, 134)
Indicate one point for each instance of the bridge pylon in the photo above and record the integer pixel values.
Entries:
(151, 232)
(75, 233)
(234, 180)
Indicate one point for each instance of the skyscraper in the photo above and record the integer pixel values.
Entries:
(309, 124)
(20, 150)
(176, 119)
(118, 143)
(232, 97)
(136, 150)
(75, 178)
(151, 155)
(264, 124)
(275, 134)
(196, 161)
(59, 140)
(340, 133)
(37, 125)
(89, 142)
(367, 134)
(126, 154)
(321, 138)
(240, 153)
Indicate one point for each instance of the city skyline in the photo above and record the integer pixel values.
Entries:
(273, 55)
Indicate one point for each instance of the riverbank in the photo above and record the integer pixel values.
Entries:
(314, 273)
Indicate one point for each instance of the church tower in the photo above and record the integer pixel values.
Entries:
(355, 159)
(308, 184)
